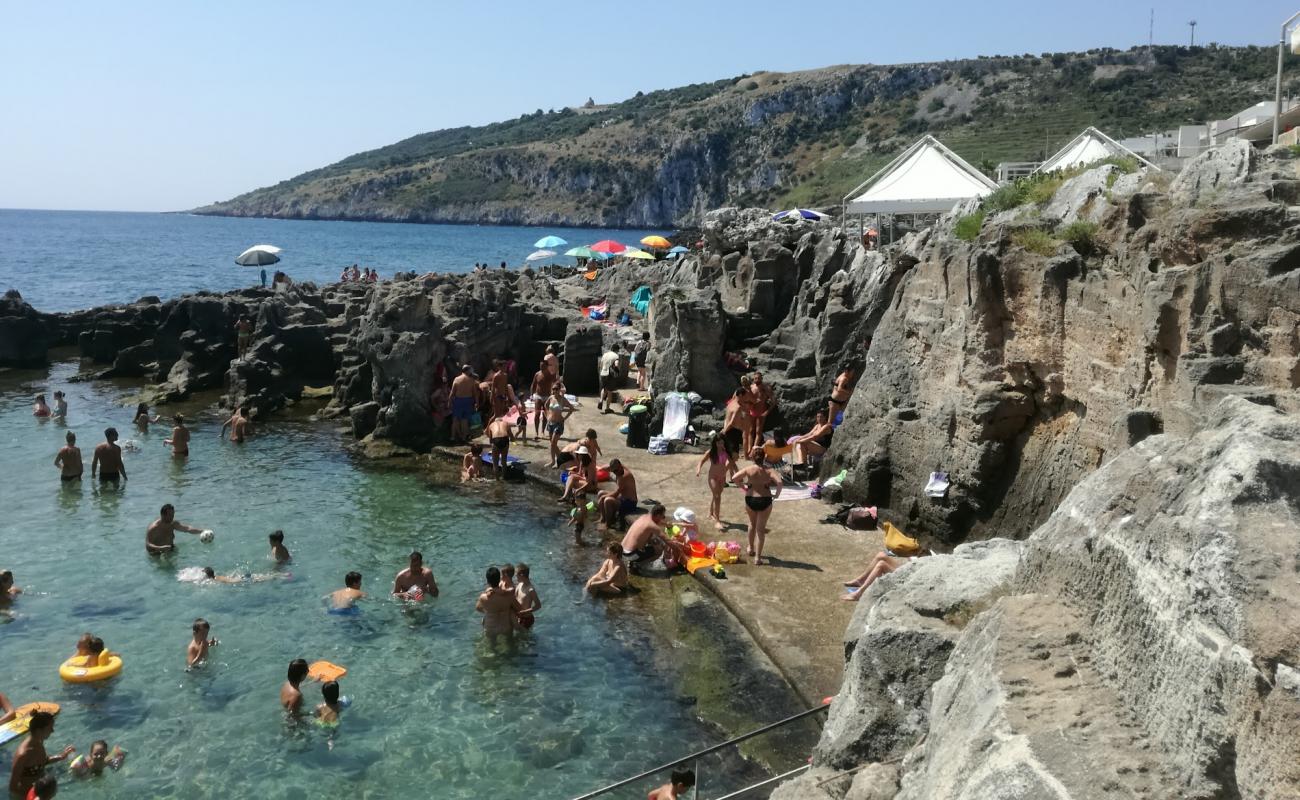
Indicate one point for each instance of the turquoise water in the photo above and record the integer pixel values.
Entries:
(66, 260)
(436, 713)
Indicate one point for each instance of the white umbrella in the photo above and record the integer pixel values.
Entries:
(539, 255)
(259, 255)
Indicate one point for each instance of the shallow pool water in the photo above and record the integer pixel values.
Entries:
(435, 712)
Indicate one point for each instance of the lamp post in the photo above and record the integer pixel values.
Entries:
(1277, 95)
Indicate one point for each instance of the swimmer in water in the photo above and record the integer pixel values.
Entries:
(278, 551)
(93, 763)
(6, 709)
(180, 438)
(416, 579)
(508, 577)
(327, 713)
(498, 608)
(142, 419)
(160, 536)
(40, 408)
(107, 461)
(290, 694)
(240, 426)
(611, 579)
(348, 596)
(527, 598)
(60, 406)
(677, 786)
(197, 651)
(7, 589)
(68, 459)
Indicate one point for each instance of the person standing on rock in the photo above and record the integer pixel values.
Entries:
(558, 410)
(762, 486)
(552, 363)
(180, 438)
(243, 335)
(69, 460)
(640, 358)
(610, 377)
(500, 390)
(107, 461)
(543, 380)
(464, 398)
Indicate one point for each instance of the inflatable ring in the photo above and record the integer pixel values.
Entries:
(73, 670)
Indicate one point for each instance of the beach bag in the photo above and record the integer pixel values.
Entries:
(861, 519)
(899, 543)
(658, 446)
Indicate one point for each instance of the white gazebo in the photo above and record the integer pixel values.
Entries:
(927, 178)
(1089, 147)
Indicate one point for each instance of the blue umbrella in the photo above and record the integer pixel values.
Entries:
(547, 242)
(679, 249)
(600, 256)
(798, 213)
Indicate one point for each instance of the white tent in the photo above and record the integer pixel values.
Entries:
(927, 178)
(1089, 147)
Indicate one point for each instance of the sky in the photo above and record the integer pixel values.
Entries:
(155, 106)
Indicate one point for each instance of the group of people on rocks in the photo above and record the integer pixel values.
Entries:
(357, 275)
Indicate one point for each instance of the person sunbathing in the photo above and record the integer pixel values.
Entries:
(882, 564)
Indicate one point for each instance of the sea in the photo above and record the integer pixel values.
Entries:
(69, 260)
(595, 693)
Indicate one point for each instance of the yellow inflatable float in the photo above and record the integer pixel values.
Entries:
(75, 670)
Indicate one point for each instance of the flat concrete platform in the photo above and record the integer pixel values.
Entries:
(790, 605)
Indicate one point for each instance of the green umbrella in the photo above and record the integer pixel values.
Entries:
(580, 252)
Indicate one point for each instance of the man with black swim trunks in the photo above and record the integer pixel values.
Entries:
(644, 541)
(500, 433)
(107, 461)
(762, 485)
(69, 459)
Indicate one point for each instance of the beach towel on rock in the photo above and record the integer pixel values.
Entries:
(937, 486)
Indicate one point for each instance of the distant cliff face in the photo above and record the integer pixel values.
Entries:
(664, 158)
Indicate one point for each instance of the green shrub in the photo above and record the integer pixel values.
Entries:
(1081, 235)
(1035, 240)
(1044, 188)
(1005, 198)
(968, 227)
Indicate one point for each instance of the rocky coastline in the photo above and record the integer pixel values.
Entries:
(1115, 607)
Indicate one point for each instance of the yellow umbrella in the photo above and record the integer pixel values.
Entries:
(658, 242)
(637, 254)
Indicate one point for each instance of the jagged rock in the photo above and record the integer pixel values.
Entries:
(364, 419)
(24, 337)
(1180, 556)
(1213, 172)
(900, 637)
(687, 336)
(1081, 197)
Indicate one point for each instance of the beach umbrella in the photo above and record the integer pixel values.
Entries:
(601, 255)
(678, 250)
(539, 255)
(798, 213)
(580, 252)
(641, 254)
(259, 255)
(657, 242)
(608, 246)
(547, 242)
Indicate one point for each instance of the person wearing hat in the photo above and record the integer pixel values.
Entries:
(616, 505)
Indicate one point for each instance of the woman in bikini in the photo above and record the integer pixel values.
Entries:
(558, 409)
(762, 486)
(40, 408)
(30, 761)
(841, 392)
(180, 440)
(142, 418)
(722, 463)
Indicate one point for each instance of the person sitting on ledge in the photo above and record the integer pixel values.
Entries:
(882, 564)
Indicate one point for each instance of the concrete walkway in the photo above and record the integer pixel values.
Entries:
(791, 606)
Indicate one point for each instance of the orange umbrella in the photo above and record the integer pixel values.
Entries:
(657, 242)
(608, 246)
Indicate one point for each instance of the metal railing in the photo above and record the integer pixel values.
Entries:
(693, 758)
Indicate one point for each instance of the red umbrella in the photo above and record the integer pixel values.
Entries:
(608, 246)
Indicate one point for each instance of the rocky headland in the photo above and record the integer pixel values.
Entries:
(1110, 377)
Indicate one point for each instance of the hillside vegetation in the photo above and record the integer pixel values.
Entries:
(663, 158)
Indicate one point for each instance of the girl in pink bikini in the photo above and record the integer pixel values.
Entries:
(722, 465)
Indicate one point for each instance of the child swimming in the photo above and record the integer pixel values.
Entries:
(327, 713)
(278, 551)
(197, 650)
(93, 763)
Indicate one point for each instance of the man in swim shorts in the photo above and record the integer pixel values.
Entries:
(543, 380)
(464, 399)
(611, 377)
(616, 505)
(160, 536)
(552, 363)
(69, 459)
(347, 597)
(500, 390)
(498, 608)
(644, 541)
(762, 485)
(416, 576)
(107, 461)
(499, 434)
(243, 334)
(526, 596)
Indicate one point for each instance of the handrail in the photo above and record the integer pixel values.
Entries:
(708, 751)
(769, 781)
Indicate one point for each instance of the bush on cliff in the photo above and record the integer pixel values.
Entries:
(1081, 235)
(1035, 240)
(968, 227)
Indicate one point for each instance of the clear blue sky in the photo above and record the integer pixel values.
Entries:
(165, 105)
